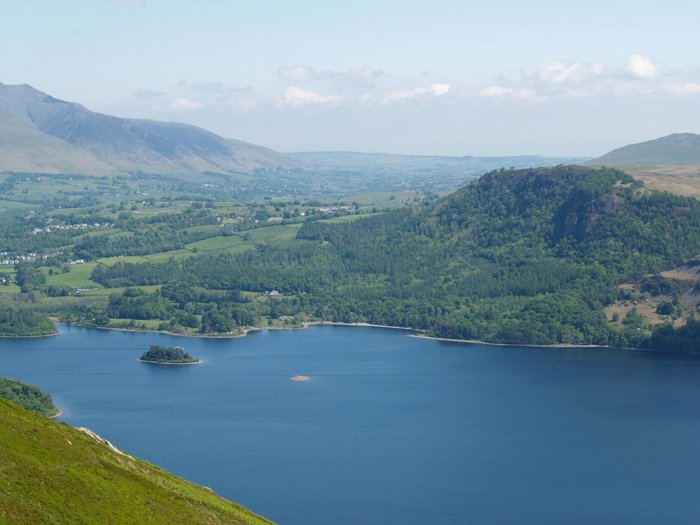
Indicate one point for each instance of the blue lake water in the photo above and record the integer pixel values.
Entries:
(391, 429)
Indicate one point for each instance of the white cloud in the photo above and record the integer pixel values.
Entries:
(504, 91)
(301, 74)
(641, 67)
(687, 88)
(435, 90)
(184, 104)
(572, 72)
(640, 76)
(361, 75)
(296, 73)
(295, 96)
(495, 91)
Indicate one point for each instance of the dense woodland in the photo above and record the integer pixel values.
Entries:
(23, 322)
(519, 256)
(27, 396)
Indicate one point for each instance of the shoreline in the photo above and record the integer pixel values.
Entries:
(29, 336)
(485, 343)
(247, 331)
(418, 334)
(365, 325)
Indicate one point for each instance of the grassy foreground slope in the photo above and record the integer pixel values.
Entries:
(51, 473)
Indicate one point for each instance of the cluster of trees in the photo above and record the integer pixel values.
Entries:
(684, 339)
(27, 396)
(28, 276)
(16, 321)
(134, 303)
(170, 354)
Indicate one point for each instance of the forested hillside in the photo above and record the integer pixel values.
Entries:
(519, 256)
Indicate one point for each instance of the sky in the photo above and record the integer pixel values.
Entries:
(441, 77)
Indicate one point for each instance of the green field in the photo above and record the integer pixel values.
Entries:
(350, 218)
(104, 292)
(13, 205)
(77, 277)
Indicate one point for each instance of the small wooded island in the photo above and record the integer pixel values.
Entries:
(168, 355)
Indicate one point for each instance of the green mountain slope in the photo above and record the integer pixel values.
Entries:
(42, 134)
(678, 148)
(53, 474)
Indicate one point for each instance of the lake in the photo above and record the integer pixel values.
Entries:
(391, 428)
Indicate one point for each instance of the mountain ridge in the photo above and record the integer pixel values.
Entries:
(40, 133)
(674, 149)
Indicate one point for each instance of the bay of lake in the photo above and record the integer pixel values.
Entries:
(391, 429)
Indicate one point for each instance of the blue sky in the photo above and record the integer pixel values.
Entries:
(438, 77)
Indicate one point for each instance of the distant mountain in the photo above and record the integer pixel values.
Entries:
(679, 148)
(389, 161)
(39, 133)
(384, 171)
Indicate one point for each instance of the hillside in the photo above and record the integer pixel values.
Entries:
(51, 473)
(518, 256)
(675, 149)
(41, 134)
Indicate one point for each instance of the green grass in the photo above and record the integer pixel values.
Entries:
(109, 261)
(164, 256)
(9, 290)
(150, 324)
(105, 292)
(271, 234)
(350, 218)
(219, 244)
(77, 277)
(13, 205)
(386, 199)
(51, 473)
(236, 243)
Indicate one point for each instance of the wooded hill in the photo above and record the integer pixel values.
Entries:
(519, 256)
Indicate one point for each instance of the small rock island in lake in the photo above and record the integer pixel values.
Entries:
(168, 355)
